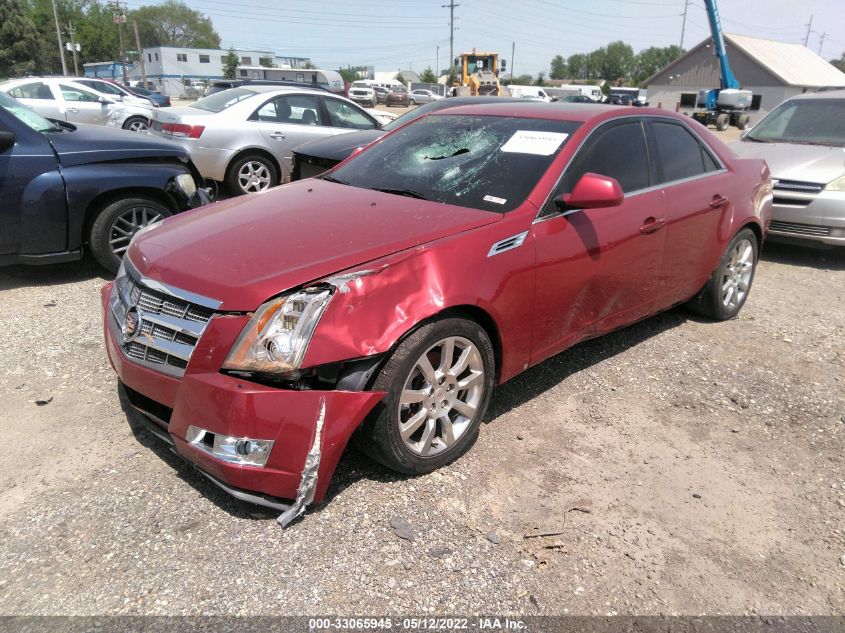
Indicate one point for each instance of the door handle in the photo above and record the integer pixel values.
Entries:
(718, 201)
(278, 135)
(652, 224)
(73, 109)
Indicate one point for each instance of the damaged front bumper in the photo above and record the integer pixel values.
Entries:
(309, 428)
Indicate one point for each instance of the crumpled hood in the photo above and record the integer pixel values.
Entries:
(97, 144)
(247, 249)
(790, 161)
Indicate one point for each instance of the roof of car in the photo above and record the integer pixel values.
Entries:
(280, 89)
(822, 94)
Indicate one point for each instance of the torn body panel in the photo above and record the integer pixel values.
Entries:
(373, 308)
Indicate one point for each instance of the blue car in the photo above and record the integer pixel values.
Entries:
(157, 98)
(65, 188)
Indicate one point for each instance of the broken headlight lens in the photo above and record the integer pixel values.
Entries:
(276, 338)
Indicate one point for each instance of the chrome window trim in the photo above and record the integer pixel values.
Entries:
(185, 295)
(540, 217)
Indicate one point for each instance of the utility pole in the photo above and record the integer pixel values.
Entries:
(72, 32)
(809, 27)
(437, 64)
(821, 42)
(119, 18)
(140, 54)
(451, 6)
(59, 37)
(513, 50)
(684, 23)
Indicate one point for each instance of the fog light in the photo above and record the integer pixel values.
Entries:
(837, 232)
(234, 450)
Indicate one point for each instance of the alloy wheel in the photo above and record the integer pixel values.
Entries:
(441, 396)
(138, 126)
(254, 176)
(736, 278)
(127, 223)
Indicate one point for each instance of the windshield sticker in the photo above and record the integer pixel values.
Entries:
(539, 143)
(495, 199)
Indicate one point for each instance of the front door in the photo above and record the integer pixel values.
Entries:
(82, 106)
(598, 269)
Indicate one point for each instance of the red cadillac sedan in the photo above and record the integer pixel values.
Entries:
(389, 296)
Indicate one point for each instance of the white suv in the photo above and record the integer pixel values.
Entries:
(63, 99)
(363, 93)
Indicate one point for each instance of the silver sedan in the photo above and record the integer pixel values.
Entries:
(244, 137)
(423, 96)
(803, 141)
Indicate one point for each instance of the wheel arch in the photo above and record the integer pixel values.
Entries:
(257, 151)
(101, 201)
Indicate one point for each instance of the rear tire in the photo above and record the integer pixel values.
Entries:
(722, 122)
(250, 174)
(117, 223)
(726, 292)
(438, 383)
(742, 121)
(137, 124)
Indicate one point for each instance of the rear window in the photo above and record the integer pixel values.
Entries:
(482, 162)
(219, 101)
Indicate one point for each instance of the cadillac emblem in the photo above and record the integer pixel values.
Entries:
(131, 324)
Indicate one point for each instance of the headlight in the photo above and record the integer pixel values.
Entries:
(837, 185)
(186, 184)
(276, 338)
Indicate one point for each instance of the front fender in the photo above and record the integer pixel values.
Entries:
(85, 183)
(376, 305)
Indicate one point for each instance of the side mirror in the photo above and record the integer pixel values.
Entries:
(7, 140)
(592, 191)
(105, 101)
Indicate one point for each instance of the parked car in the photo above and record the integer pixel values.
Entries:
(115, 91)
(159, 100)
(803, 141)
(390, 296)
(363, 94)
(398, 96)
(576, 99)
(63, 99)
(315, 157)
(423, 96)
(381, 93)
(224, 84)
(245, 136)
(65, 187)
(382, 116)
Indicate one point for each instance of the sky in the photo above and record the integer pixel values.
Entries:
(402, 34)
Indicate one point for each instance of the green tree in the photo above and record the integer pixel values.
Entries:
(541, 79)
(576, 66)
(173, 23)
(428, 77)
(18, 39)
(839, 63)
(266, 62)
(650, 60)
(617, 61)
(558, 68)
(230, 64)
(400, 78)
(519, 80)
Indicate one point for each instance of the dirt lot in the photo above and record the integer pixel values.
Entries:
(689, 467)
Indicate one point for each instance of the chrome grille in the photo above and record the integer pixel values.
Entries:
(171, 321)
(799, 229)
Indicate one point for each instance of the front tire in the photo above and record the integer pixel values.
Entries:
(116, 224)
(250, 174)
(438, 383)
(726, 292)
(136, 124)
(722, 122)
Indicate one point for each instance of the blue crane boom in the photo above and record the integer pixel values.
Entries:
(726, 78)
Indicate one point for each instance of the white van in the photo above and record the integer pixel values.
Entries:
(326, 79)
(534, 93)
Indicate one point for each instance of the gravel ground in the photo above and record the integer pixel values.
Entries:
(682, 466)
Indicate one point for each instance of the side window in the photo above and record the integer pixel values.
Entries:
(75, 94)
(679, 154)
(296, 109)
(344, 115)
(618, 152)
(32, 91)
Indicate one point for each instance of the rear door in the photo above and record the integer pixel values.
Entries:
(287, 121)
(82, 106)
(345, 117)
(698, 195)
(38, 96)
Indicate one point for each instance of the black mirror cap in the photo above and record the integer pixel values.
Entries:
(7, 140)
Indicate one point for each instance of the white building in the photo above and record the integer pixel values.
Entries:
(174, 70)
